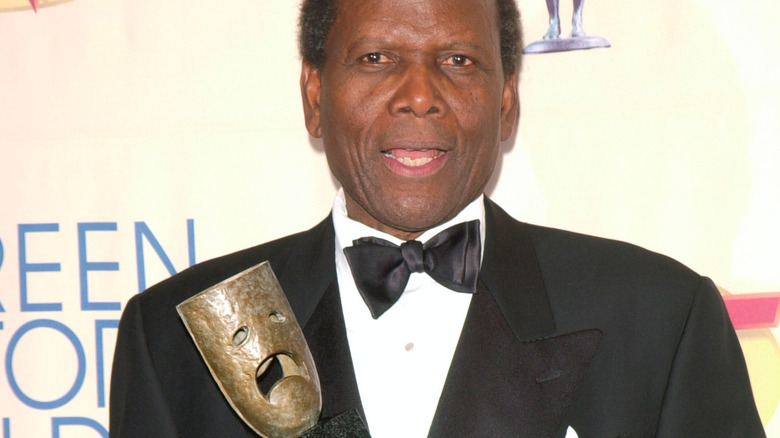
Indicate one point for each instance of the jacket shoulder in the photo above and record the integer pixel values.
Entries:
(573, 256)
(177, 288)
(588, 255)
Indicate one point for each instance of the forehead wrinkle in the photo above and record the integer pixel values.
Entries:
(368, 41)
(423, 26)
(465, 40)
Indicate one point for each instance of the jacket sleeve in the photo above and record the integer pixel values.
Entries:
(708, 393)
(138, 406)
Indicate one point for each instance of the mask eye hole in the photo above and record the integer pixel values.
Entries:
(240, 336)
(277, 317)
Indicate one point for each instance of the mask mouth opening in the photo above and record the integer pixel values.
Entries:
(273, 370)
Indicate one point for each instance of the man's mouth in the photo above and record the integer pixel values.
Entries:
(414, 157)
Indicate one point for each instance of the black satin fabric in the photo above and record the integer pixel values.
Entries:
(381, 269)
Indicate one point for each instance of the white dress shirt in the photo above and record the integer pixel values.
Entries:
(402, 358)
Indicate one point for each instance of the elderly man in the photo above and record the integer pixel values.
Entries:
(485, 326)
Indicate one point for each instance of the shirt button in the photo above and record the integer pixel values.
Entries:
(409, 346)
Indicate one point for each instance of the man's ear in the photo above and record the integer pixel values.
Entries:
(311, 92)
(510, 106)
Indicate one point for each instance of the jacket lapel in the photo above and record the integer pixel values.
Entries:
(308, 270)
(511, 272)
(308, 277)
(326, 335)
(498, 385)
(511, 374)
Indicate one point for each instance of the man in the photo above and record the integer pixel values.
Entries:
(552, 333)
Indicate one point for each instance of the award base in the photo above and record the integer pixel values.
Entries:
(566, 44)
(345, 425)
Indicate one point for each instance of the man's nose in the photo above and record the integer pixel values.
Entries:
(418, 92)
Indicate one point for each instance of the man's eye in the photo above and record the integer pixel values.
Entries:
(375, 58)
(458, 60)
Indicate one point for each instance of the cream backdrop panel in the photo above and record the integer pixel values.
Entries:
(138, 137)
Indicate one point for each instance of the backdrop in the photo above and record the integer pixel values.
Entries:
(139, 137)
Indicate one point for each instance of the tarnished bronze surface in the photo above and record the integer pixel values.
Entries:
(240, 326)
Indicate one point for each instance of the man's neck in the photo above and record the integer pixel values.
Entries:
(356, 213)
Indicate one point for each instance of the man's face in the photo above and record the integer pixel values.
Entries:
(411, 105)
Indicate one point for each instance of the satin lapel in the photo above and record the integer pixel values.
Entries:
(327, 338)
(309, 269)
(511, 374)
(500, 386)
(308, 278)
(511, 271)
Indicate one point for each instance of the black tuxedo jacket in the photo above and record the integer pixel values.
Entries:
(565, 331)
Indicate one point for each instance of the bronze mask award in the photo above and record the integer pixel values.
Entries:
(243, 325)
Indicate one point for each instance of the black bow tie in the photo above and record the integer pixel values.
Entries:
(382, 269)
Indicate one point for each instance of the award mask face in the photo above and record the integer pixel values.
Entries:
(241, 326)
